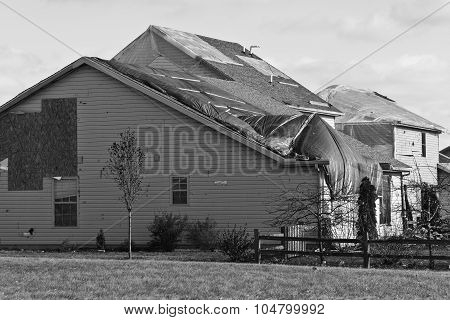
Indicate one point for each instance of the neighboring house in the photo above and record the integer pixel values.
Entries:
(390, 217)
(223, 133)
(393, 131)
(444, 182)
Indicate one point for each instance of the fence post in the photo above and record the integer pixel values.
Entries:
(284, 242)
(257, 245)
(366, 250)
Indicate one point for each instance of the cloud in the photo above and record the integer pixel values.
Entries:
(19, 69)
(407, 13)
(391, 20)
(13, 60)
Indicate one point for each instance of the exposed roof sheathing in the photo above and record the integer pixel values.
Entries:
(364, 106)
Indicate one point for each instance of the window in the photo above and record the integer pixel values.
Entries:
(179, 190)
(65, 204)
(424, 144)
(385, 214)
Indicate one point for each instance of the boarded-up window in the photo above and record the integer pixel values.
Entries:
(179, 190)
(385, 214)
(65, 194)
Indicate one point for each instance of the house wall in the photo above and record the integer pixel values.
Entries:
(408, 149)
(225, 179)
(22, 210)
(444, 193)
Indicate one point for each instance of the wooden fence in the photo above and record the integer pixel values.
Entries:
(364, 253)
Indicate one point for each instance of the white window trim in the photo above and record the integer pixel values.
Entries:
(78, 202)
(187, 191)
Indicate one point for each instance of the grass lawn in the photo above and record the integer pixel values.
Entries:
(87, 277)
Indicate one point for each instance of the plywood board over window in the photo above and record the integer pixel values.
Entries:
(40, 144)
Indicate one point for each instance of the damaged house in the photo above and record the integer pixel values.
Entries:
(444, 181)
(397, 133)
(222, 131)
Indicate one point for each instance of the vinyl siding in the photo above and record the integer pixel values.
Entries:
(105, 108)
(444, 193)
(408, 149)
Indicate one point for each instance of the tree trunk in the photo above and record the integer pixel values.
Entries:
(129, 235)
(319, 235)
(430, 248)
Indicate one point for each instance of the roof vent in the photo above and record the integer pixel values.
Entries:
(253, 47)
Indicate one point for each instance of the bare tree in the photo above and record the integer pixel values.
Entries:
(125, 164)
(314, 208)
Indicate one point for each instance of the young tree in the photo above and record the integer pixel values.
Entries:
(125, 164)
(367, 221)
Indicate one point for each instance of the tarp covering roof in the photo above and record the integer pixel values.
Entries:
(373, 153)
(365, 106)
(161, 47)
(347, 167)
(302, 136)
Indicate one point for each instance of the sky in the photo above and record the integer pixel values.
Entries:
(311, 41)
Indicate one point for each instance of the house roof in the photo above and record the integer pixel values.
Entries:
(150, 89)
(186, 73)
(444, 167)
(374, 154)
(445, 151)
(365, 106)
(215, 59)
(444, 157)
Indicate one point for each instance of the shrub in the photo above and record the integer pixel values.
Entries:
(67, 246)
(236, 244)
(366, 221)
(166, 231)
(386, 249)
(204, 234)
(100, 240)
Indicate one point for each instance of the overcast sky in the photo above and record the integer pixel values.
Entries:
(312, 41)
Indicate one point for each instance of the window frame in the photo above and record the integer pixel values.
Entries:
(54, 203)
(172, 190)
(424, 144)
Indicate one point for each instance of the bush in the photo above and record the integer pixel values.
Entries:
(236, 244)
(204, 234)
(386, 249)
(100, 240)
(166, 231)
(67, 246)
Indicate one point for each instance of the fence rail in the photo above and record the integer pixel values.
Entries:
(364, 253)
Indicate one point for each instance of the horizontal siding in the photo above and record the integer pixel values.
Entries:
(409, 142)
(105, 108)
(444, 190)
